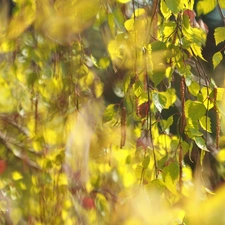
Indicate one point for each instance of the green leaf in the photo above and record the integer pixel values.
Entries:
(175, 5)
(157, 77)
(165, 124)
(111, 23)
(146, 162)
(194, 88)
(204, 97)
(185, 147)
(159, 101)
(109, 113)
(170, 184)
(202, 156)
(219, 35)
(173, 170)
(205, 123)
(200, 142)
(104, 62)
(138, 88)
(163, 100)
(194, 109)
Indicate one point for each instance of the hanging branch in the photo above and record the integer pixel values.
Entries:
(217, 119)
(181, 169)
(182, 92)
(123, 127)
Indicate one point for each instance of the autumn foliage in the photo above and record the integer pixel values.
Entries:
(109, 113)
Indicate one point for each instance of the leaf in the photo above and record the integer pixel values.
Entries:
(170, 184)
(220, 156)
(98, 88)
(172, 169)
(220, 94)
(205, 123)
(108, 113)
(104, 62)
(3, 166)
(205, 6)
(208, 102)
(222, 4)
(138, 88)
(123, 1)
(163, 100)
(145, 162)
(129, 24)
(194, 109)
(185, 147)
(217, 58)
(219, 35)
(138, 171)
(175, 5)
(200, 142)
(197, 50)
(166, 12)
(111, 23)
(114, 49)
(194, 88)
(165, 124)
(159, 101)
(17, 175)
(157, 77)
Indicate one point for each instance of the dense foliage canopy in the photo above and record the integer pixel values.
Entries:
(110, 113)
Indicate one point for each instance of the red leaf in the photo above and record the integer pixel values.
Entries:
(2, 166)
(88, 203)
(191, 14)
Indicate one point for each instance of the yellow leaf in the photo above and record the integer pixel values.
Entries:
(17, 175)
(123, 1)
(221, 155)
(114, 49)
(98, 89)
(197, 51)
(170, 184)
(217, 58)
(62, 180)
(129, 24)
(205, 123)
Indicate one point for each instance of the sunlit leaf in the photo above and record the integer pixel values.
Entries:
(219, 35)
(163, 100)
(123, 1)
(222, 4)
(197, 50)
(205, 123)
(129, 24)
(206, 6)
(165, 10)
(170, 184)
(194, 88)
(17, 175)
(217, 58)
